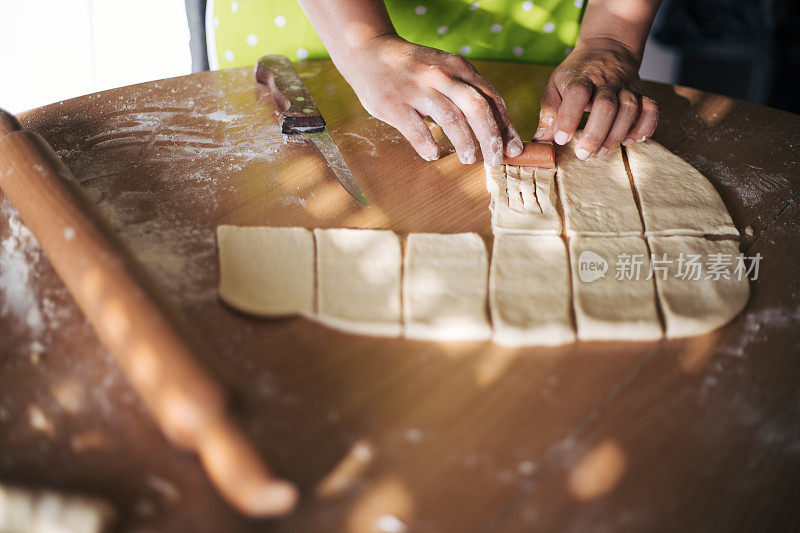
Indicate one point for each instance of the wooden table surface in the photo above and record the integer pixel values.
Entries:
(391, 435)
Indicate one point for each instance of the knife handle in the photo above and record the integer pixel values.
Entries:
(298, 112)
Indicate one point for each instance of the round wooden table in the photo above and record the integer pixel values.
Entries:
(392, 435)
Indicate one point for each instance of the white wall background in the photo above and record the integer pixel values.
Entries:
(51, 50)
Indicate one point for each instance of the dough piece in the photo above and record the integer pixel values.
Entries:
(444, 287)
(596, 194)
(696, 306)
(675, 198)
(267, 271)
(607, 308)
(46, 511)
(523, 200)
(529, 291)
(358, 280)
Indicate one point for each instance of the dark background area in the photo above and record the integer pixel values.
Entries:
(748, 49)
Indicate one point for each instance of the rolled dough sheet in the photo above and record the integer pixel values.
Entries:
(607, 308)
(267, 271)
(444, 287)
(596, 194)
(696, 306)
(523, 200)
(676, 199)
(529, 291)
(358, 280)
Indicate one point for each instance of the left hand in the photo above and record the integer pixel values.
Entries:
(600, 76)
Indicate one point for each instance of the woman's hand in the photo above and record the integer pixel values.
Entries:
(400, 82)
(599, 76)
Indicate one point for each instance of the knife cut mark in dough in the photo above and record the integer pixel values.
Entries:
(522, 200)
(529, 291)
(675, 198)
(358, 280)
(607, 308)
(695, 306)
(445, 286)
(596, 194)
(267, 271)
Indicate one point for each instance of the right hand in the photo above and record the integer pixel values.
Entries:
(400, 82)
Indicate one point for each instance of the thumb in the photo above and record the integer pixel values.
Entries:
(548, 110)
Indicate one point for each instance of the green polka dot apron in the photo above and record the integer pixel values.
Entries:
(534, 31)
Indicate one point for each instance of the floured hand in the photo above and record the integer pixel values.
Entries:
(400, 82)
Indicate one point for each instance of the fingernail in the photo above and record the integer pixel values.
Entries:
(539, 133)
(602, 151)
(643, 139)
(561, 137)
(514, 147)
(582, 154)
(627, 142)
(495, 160)
(467, 159)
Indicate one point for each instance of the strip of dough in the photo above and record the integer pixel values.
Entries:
(523, 200)
(596, 195)
(676, 199)
(529, 291)
(358, 280)
(607, 308)
(267, 271)
(689, 306)
(445, 286)
(47, 511)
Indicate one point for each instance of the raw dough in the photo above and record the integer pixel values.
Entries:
(267, 271)
(522, 200)
(607, 308)
(675, 197)
(529, 291)
(358, 280)
(444, 287)
(596, 194)
(693, 307)
(46, 511)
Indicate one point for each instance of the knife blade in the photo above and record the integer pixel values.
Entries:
(299, 116)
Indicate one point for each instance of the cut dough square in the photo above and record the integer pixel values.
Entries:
(695, 306)
(529, 291)
(596, 194)
(607, 308)
(358, 280)
(676, 199)
(267, 271)
(444, 287)
(523, 200)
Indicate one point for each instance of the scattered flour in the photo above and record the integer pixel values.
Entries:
(18, 252)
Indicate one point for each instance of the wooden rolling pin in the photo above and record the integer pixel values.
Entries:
(154, 346)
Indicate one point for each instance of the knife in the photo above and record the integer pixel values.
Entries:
(299, 116)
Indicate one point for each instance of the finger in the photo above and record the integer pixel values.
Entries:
(453, 123)
(646, 123)
(480, 117)
(575, 97)
(511, 138)
(627, 113)
(548, 110)
(601, 117)
(408, 122)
